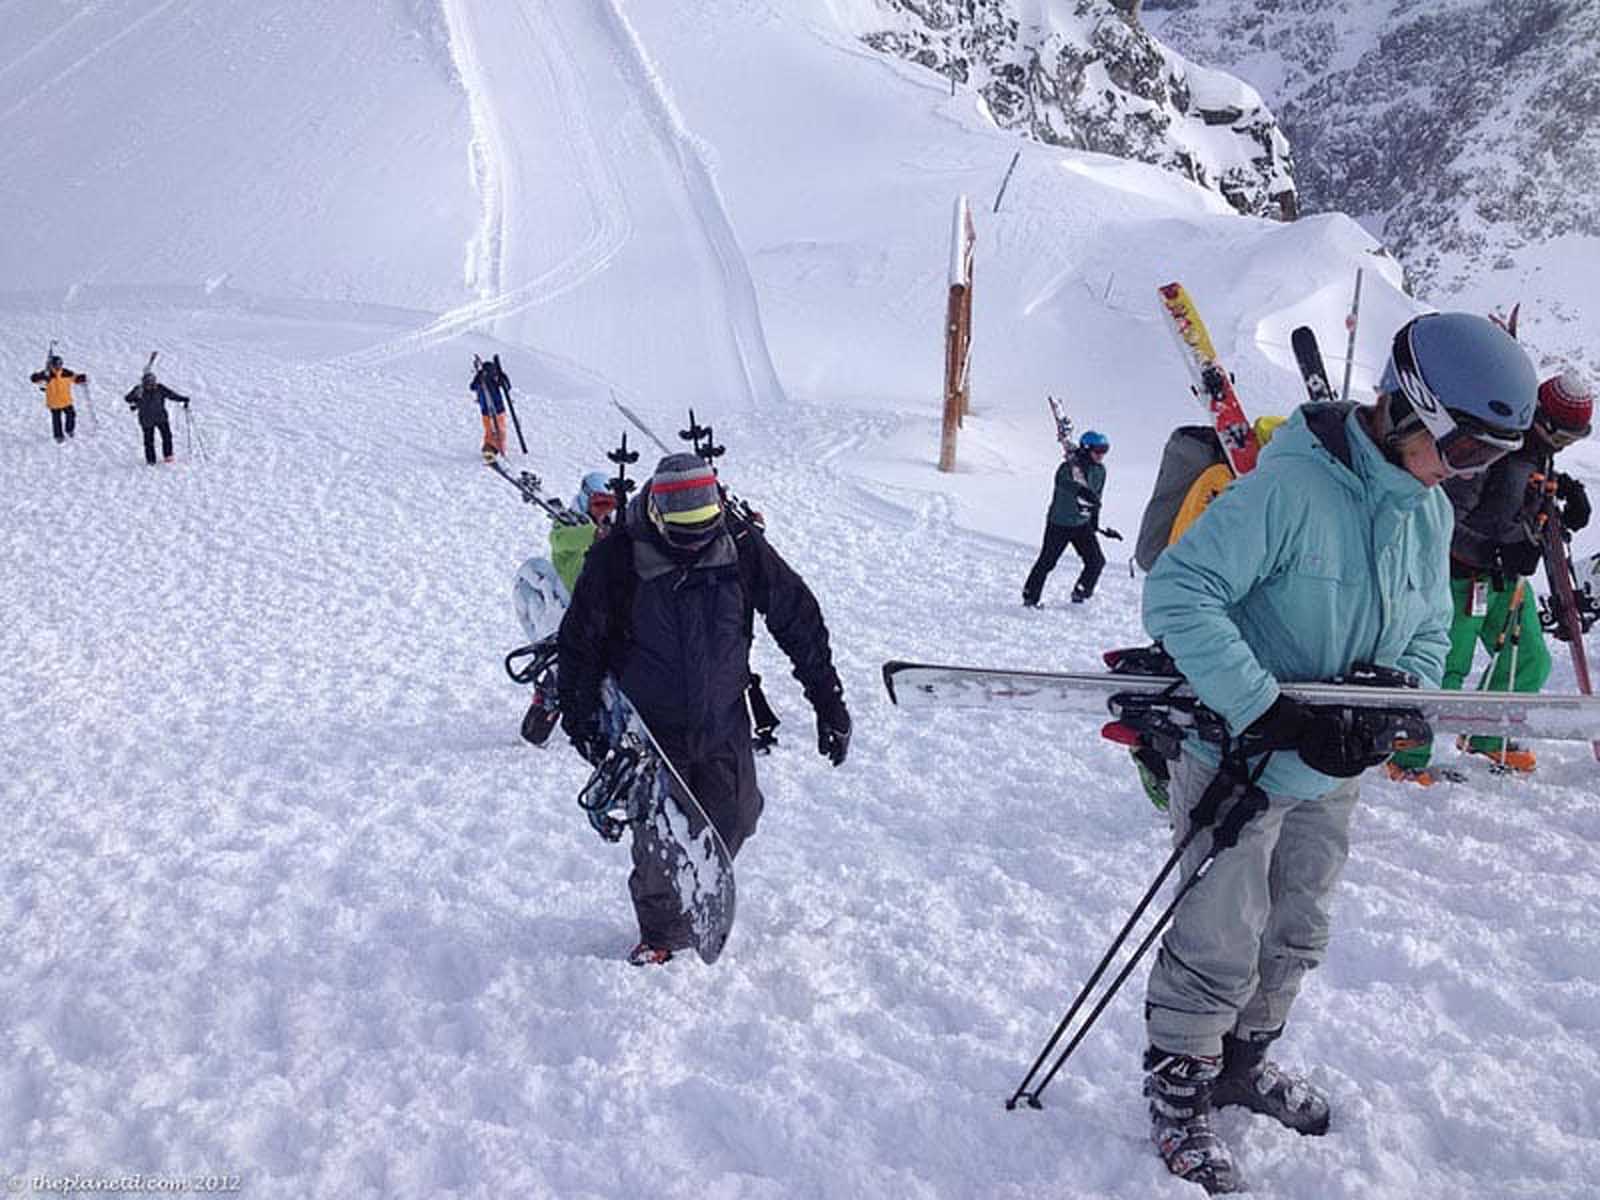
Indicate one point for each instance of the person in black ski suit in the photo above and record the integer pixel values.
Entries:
(149, 400)
(665, 607)
(1074, 514)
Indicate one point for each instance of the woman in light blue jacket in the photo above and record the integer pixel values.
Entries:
(1334, 551)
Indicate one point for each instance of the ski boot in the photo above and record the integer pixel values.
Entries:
(1421, 776)
(646, 955)
(1506, 758)
(1250, 1080)
(1079, 595)
(1180, 1089)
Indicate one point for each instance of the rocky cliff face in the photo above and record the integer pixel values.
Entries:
(1085, 74)
(1461, 131)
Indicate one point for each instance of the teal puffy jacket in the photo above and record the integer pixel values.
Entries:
(1300, 569)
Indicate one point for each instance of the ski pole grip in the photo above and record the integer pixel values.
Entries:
(1252, 802)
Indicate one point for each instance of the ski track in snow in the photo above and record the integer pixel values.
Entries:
(503, 102)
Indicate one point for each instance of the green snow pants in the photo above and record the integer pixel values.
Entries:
(1467, 631)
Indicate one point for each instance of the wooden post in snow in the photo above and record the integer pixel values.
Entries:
(957, 333)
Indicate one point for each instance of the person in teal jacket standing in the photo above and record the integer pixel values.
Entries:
(1074, 514)
(1333, 551)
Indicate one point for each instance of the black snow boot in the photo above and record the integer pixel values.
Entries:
(1249, 1079)
(1179, 1087)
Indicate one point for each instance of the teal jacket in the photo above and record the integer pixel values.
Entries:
(1079, 482)
(1300, 569)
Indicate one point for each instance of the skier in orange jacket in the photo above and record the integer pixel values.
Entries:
(56, 383)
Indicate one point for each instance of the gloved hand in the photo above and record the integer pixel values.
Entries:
(833, 726)
(583, 731)
(1326, 737)
(1520, 559)
(1111, 533)
(1574, 497)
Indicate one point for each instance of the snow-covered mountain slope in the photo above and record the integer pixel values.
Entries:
(1480, 177)
(285, 896)
(1089, 76)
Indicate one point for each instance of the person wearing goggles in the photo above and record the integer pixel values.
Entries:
(1493, 552)
(1333, 551)
(1466, 382)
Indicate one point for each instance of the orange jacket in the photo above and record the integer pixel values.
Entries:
(58, 385)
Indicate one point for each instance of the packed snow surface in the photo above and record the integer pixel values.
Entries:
(285, 896)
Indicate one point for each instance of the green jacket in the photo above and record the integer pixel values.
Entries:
(568, 545)
(1300, 569)
(1079, 482)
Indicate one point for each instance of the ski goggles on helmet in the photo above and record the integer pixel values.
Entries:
(1467, 445)
(1558, 436)
(601, 506)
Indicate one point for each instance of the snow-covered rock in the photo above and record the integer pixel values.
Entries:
(1085, 74)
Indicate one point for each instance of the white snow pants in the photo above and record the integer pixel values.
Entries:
(1243, 939)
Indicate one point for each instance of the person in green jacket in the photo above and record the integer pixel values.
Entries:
(1072, 520)
(1334, 551)
(569, 546)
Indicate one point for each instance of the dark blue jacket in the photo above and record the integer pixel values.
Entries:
(675, 632)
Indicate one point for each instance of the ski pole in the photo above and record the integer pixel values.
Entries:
(198, 440)
(1228, 783)
(1350, 346)
(505, 382)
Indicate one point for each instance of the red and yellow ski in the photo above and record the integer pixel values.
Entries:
(1212, 384)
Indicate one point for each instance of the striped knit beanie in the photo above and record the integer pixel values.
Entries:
(1567, 402)
(685, 504)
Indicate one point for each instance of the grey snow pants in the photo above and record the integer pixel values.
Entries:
(1241, 942)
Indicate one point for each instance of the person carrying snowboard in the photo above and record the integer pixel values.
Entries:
(1493, 553)
(56, 383)
(1074, 514)
(665, 606)
(489, 385)
(149, 399)
(1334, 551)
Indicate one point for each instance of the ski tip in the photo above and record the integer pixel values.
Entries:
(890, 668)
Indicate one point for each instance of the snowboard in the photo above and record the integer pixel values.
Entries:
(1212, 384)
(638, 785)
(1308, 357)
(1550, 717)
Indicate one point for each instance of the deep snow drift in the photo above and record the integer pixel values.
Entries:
(287, 897)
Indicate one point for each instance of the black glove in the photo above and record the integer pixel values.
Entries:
(833, 725)
(1574, 499)
(583, 731)
(1519, 558)
(1328, 738)
(1112, 534)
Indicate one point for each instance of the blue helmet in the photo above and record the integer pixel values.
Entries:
(1094, 440)
(593, 484)
(1465, 364)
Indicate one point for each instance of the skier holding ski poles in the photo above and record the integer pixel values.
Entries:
(56, 382)
(490, 385)
(1072, 520)
(665, 605)
(149, 399)
(1495, 549)
(1332, 552)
